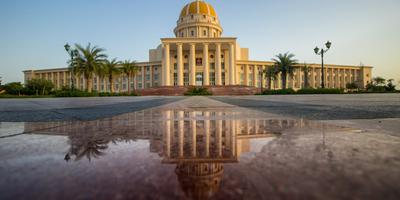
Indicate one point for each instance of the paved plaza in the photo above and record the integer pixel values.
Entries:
(228, 147)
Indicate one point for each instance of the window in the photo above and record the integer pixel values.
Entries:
(192, 33)
(155, 76)
(205, 33)
(199, 61)
(148, 77)
(212, 56)
(192, 16)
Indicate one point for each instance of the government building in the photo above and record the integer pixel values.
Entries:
(200, 55)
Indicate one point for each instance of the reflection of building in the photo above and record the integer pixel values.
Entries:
(197, 142)
(199, 55)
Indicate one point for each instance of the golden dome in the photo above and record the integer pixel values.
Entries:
(198, 7)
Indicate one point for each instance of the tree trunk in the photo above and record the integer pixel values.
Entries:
(129, 83)
(111, 80)
(269, 83)
(284, 78)
(89, 84)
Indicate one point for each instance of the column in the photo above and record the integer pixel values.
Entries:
(166, 66)
(180, 64)
(263, 84)
(151, 76)
(219, 134)
(193, 124)
(344, 78)
(246, 75)
(192, 64)
(181, 127)
(299, 77)
(168, 132)
(312, 78)
(65, 79)
(255, 75)
(337, 78)
(144, 76)
(218, 75)
(207, 132)
(206, 65)
(231, 64)
(58, 80)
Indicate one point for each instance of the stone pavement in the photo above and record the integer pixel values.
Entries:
(207, 148)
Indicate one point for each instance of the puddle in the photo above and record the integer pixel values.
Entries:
(162, 153)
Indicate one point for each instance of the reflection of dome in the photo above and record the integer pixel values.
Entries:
(198, 19)
(200, 180)
(198, 7)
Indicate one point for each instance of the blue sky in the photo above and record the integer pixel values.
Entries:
(33, 32)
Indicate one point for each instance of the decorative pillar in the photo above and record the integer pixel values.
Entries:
(193, 124)
(312, 78)
(231, 64)
(181, 130)
(206, 65)
(168, 132)
(246, 75)
(255, 75)
(166, 66)
(192, 64)
(180, 64)
(218, 75)
(151, 76)
(144, 76)
(207, 131)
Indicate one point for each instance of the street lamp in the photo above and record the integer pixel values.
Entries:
(72, 53)
(322, 52)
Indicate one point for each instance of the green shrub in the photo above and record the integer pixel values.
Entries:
(14, 88)
(198, 91)
(274, 92)
(320, 91)
(38, 87)
(74, 93)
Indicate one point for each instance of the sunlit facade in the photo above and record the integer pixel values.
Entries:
(199, 55)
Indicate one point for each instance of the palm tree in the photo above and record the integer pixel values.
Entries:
(306, 69)
(87, 62)
(129, 69)
(270, 74)
(110, 69)
(285, 65)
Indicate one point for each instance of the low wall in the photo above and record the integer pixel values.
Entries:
(216, 90)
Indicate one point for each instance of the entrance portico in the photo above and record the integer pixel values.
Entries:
(198, 62)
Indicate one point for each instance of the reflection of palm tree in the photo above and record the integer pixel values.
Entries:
(89, 148)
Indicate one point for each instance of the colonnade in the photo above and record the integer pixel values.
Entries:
(168, 71)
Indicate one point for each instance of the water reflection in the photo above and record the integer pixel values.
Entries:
(199, 143)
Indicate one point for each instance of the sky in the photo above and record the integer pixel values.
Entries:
(33, 32)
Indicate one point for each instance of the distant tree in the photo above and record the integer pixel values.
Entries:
(88, 62)
(285, 64)
(270, 74)
(110, 69)
(130, 69)
(390, 86)
(38, 86)
(14, 88)
(352, 86)
(379, 81)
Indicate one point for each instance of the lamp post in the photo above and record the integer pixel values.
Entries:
(72, 53)
(322, 52)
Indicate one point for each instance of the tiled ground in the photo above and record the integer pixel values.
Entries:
(202, 148)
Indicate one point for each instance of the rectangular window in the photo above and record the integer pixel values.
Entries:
(148, 77)
(199, 61)
(186, 78)
(155, 76)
